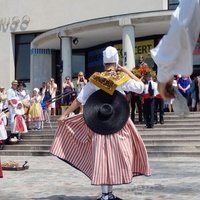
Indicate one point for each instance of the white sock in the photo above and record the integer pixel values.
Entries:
(104, 189)
(110, 188)
(39, 124)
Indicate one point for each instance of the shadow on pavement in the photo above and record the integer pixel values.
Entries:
(63, 197)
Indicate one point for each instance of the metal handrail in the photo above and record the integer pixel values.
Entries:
(50, 101)
(61, 96)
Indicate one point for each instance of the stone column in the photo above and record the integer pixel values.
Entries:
(66, 53)
(66, 57)
(128, 43)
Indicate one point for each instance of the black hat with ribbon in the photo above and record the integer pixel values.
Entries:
(106, 114)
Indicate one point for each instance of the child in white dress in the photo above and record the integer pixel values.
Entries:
(19, 121)
(3, 132)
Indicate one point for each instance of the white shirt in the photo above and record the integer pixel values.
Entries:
(130, 85)
(19, 111)
(12, 94)
(173, 54)
(154, 87)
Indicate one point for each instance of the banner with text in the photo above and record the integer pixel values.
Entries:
(141, 48)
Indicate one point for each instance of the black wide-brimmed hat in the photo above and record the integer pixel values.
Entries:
(106, 114)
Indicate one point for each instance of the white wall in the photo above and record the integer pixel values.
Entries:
(49, 14)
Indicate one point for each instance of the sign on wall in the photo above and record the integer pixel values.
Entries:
(120, 52)
(95, 58)
(141, 48)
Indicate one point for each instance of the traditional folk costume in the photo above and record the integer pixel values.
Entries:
(158, 107)
(19, 121)
(36, 113)
(12, 96)
(3, 135)
(174, 53)
(149, 101)
(3, 132)
(3, 98)
(103, 142)
(136, 100)
(25, 99)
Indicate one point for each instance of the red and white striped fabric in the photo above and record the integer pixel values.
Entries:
(105, 159)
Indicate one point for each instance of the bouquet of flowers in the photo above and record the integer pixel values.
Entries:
(142, 70)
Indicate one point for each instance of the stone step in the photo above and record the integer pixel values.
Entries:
(144, 134)
(156, 131)
(25, 153)
(47, 136)
(36, 142)
(153, 153)
(149, 147)
(38, 132)
(179, 141)
(188, 136)
(166, 116)
(176, 137)
(174, 154)
(141, 128)
(168, 121)
(172, 126)
(172, 130)
(20, 146)
(172, 148)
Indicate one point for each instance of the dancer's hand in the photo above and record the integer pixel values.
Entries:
(123, 69)
(61, 119)
(165, 90)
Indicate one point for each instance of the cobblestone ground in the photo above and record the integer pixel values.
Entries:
(48, 178)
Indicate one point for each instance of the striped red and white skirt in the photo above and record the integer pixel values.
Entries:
(106, 159)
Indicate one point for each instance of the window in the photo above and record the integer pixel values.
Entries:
(172, 4)
(22, 55)
(78, 63)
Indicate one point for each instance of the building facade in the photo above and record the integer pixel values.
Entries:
(44, 39)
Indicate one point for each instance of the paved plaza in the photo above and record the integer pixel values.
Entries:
(48, 178)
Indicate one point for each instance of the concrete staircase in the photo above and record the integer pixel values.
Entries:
(176, 137)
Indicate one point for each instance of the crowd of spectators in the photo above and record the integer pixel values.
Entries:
(38, 107)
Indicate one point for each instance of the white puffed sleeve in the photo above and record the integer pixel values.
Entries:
(133, 86)
(86, 91)
(173, 54)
